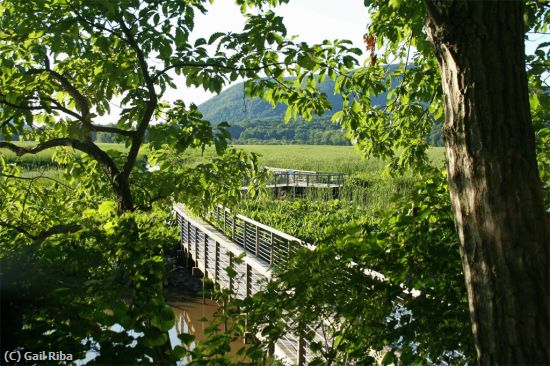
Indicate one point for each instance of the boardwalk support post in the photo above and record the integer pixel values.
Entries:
(301, 356)
(248, 280)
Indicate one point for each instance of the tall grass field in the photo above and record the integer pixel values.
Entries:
(367, 192)
(326, 158)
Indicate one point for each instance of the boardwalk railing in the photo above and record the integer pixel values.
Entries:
(304, 178)
(213, 252)
(264, 248)
(271, 246)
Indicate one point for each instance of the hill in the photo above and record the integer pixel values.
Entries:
(232, 105)
(254, 121)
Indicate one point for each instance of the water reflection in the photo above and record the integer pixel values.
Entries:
(190, 313)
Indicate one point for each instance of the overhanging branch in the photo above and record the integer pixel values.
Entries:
(80, 100)
(87, 147)
(44, 234)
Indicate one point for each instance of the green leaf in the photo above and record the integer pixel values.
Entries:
(107, 208)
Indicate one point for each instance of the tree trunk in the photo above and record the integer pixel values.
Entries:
(121, 188)
(493, 177)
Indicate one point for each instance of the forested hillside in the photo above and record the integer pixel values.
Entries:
(254, 121)
(232, 105)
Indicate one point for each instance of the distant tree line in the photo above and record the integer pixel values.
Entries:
(274, 131)
(320, 131)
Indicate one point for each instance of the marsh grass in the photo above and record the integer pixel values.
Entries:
(45, 158)
(368, 189)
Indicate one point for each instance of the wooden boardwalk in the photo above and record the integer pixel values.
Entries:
(305, 178)
(288, 178)
(264, 248)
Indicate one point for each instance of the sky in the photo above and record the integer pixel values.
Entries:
(311, 20)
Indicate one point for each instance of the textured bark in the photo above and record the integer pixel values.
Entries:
(493, 177)
(123, 193)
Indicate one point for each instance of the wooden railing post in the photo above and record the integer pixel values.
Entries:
(257, 244)
(188, 242)
(180, 221)
(188, 254)
(244, 235)
(271, 248)
(230, 277)
(233, 227)
(288, 252)
(205, 254)
(196, 245)
(216, 261)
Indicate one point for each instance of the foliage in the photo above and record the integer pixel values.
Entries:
(92, 286)
(83, 252)
(96, 236)
(232, 104)
(416, 249)
(54, 87)
(311, 221)
(540, 112)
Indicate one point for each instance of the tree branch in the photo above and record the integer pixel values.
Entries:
(94, 25)
(57, 107)
(34, 178)
(150, 107)
(5, 123)
(57, 229)
(214, 65)
(80, 100)
(44, 234)
(61, 108)
(87, 147)
(115, 130)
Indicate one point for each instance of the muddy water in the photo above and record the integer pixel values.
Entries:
(190, 312)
